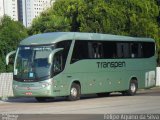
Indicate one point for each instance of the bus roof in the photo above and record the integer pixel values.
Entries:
(53, 37)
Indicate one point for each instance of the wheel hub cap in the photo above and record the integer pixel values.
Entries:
(133, 87)
(74, 92)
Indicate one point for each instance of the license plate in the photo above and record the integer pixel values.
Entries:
(28, 93)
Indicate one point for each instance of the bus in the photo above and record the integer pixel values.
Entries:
(70, 64)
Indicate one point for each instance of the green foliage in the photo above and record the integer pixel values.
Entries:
(123, 17)
(11, 32)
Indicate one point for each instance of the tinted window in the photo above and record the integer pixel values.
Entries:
(80, 51)
(148, 49)
(123, 50)
(111, 50)
(66, 45)
(136, 50)
(95, 50)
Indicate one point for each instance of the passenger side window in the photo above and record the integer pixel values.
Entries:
(136, 50)
(80, 51)
(123, 50)
(110, 50)
(95, 50)
(148, 49)
(66, 47)
(57, 66)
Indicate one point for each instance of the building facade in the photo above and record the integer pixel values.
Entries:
(24, 10)
(9, 7)
(1, 8)
(33, 8)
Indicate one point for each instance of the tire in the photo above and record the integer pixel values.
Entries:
(103, 94)
(133, 86)
(75, 92)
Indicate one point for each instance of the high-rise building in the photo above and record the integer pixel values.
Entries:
(24, 10)
(33, 8)
(9, 7)
(1, 8)
(20, 11)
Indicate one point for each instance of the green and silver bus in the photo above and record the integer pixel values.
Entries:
(72, 63)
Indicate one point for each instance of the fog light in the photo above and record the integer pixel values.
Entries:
(15, 86)
(45, 85)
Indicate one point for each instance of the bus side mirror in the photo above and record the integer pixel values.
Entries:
(9, 59)
(50, 58)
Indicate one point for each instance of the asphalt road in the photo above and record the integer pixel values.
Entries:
(90, 106)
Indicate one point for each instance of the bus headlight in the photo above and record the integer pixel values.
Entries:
(45, 85)
(15, 86)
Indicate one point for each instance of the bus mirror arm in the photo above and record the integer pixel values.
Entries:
(8, 55)
(50, 59)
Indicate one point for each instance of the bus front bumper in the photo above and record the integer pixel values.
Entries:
(38, 89)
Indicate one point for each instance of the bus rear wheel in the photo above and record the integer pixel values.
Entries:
(75, 92)
(132, 88)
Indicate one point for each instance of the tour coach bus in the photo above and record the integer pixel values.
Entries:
(72, 63)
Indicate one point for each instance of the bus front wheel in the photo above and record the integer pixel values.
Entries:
(75, 92)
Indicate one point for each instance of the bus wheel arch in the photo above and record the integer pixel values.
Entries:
(134, 79)
(75, 91)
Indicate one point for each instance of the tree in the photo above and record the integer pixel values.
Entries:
(62, 16)
(123, 17)
(11, 32)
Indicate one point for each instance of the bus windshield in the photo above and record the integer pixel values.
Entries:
(32, 62)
